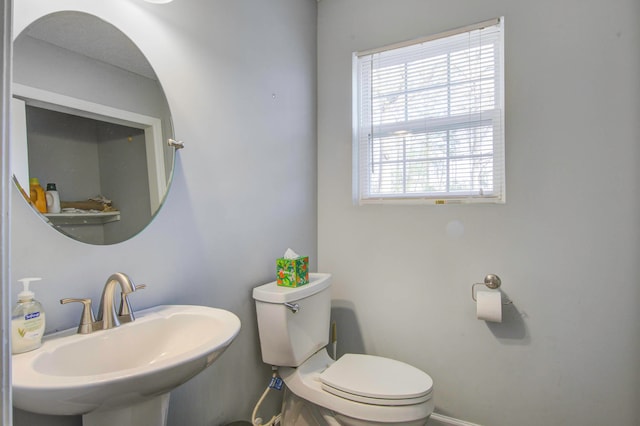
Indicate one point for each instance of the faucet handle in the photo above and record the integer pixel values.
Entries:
(87, 320)
(125, 313)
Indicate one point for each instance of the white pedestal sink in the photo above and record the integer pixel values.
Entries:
(123, 375)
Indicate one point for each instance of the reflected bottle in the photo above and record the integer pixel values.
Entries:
(37, 195)
(53, 198)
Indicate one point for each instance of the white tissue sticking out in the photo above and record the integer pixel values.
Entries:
(290, 254)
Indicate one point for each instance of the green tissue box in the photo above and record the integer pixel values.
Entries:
(292, 272)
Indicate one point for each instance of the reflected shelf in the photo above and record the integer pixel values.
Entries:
(74, 218)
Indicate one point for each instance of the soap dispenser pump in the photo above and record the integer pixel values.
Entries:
(27, 320)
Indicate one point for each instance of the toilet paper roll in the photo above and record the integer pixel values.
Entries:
(489, 306)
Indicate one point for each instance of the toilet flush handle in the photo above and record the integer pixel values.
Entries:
(294, 307)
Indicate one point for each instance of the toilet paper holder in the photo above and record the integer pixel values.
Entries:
(493, 282)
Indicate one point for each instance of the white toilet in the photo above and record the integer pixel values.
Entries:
(293, 324)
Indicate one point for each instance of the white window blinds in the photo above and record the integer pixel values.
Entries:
(428, 119)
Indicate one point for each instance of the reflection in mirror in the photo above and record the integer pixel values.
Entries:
(90, 116)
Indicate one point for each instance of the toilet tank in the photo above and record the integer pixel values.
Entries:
(287, 339)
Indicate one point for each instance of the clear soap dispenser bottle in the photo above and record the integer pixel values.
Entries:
(27, 320)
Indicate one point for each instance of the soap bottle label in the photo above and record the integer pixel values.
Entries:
(26, 335)
(32, 315)
(30, 328)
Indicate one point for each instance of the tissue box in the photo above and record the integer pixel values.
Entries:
(292, 272)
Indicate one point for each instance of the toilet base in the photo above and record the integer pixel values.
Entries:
(297, 411)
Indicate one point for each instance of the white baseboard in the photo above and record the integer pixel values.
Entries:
(443, 420)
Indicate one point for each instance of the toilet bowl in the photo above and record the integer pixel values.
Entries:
(355, 390)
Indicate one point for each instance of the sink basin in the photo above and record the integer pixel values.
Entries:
(123, 367)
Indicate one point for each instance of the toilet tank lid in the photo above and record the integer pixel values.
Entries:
(273, 293)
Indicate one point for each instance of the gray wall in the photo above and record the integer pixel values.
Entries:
(124, 173)
(566, 243)
(240, 80)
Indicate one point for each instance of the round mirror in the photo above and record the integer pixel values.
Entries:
(90, 125)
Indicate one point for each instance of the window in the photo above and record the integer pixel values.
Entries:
(428, 119)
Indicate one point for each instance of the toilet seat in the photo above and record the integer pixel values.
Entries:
(305, 382)
(376, 380)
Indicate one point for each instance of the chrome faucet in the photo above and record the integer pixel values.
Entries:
(107, 312)
(107, 317)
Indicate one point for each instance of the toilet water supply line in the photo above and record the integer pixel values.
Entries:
(334, 340)
(276, 383)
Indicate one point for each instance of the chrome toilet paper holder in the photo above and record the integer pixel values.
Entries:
(493, 282)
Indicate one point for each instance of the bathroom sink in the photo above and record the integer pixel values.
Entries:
(106, 370)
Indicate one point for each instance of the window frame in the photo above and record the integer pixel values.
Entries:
(493, 119)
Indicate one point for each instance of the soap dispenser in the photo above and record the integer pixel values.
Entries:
(27, 320)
